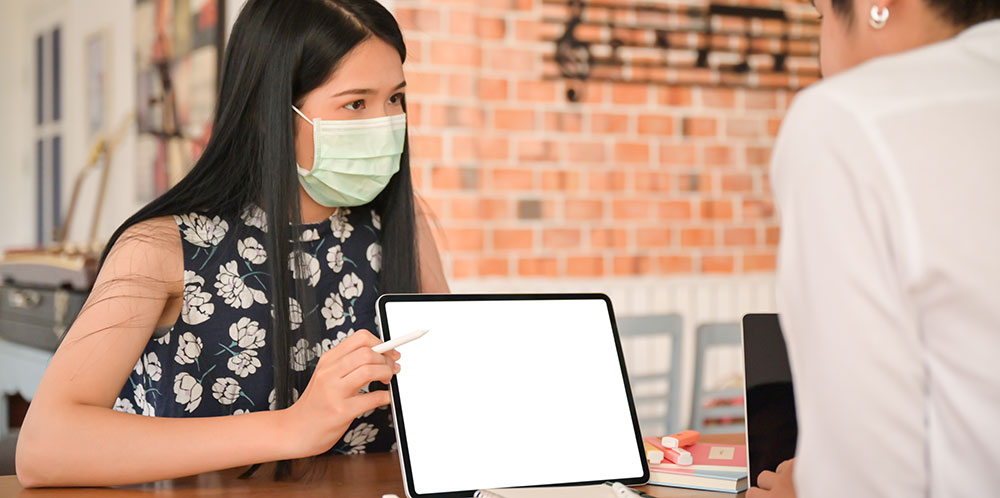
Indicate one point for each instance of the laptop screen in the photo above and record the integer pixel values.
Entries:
(770, 402)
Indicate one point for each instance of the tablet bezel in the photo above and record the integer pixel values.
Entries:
(400, 425)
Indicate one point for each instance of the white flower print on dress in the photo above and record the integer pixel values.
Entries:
(333, 311)
(254, 216)
(272, 401)
(188, 391)
(327, 344)
(197, 307)
(322, 347)
(351, 286)
(251, 250)
(124, 405)
(376, 220)
(375, 256)
(165, 339)
(294, 313)
(247, 333)
(152, 365)
(240, 411)
(188, 348)
(339, 225)
(140, 402)
(360, 436)
(305, 266)
(202, 231)
(335, 258)
(245, 363)
(138, 366)
(340, 337)
(301, 355)
(227, 390)
(309, 235)
(234, 290)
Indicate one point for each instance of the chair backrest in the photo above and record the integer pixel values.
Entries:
(652, 348)
(716, 409)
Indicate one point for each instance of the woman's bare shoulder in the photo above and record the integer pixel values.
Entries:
(150, 251)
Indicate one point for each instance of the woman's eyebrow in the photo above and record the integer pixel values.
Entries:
(366, 91)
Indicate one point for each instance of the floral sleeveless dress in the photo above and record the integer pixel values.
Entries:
(216, 359)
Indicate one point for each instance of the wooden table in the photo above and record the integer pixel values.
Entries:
(353, 476)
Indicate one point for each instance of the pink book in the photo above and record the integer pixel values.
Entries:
(717, 467)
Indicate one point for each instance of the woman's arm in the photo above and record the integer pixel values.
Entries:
(432, 279)
(72, 437)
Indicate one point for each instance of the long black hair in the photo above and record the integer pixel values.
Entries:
(281, 50)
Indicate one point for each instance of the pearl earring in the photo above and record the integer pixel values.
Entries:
(878, 17)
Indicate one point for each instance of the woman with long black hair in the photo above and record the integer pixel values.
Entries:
(248, 288)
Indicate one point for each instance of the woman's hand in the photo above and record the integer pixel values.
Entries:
(775, 484)
(332, 400)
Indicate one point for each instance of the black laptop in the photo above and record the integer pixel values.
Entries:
(770, 402)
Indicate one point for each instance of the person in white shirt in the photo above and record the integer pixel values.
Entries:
(887, 176)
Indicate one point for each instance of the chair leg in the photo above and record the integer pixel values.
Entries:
(8, 445)
(4, 414)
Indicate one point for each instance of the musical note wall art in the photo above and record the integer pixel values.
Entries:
(681, 43)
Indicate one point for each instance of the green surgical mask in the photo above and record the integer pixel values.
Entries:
(353, 160)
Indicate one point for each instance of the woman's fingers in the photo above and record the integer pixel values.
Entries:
(369, 401)
(361, 339)
(786, 466)
(356, 359)
(366, 374)
(765, 480)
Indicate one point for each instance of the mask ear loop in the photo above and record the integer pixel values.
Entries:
(303, 116)
(297, 111)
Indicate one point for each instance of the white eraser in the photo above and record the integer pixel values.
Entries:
(669, 442)
(685, 457)
(654, 456)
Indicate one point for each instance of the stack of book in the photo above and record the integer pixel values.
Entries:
(713, 467)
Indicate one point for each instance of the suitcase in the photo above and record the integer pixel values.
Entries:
(37, 316)
(41, 295)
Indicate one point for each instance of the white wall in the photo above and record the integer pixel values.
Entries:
(15, 116)
(20, 20)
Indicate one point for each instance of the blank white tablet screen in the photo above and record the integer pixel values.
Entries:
(512, 393)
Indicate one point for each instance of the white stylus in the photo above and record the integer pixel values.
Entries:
(399, 341)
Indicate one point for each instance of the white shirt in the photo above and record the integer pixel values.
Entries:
(888, 180)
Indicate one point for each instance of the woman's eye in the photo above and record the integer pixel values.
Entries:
(357, 105)
(396, 99)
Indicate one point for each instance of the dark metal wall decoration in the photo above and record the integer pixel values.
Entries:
(673, 43)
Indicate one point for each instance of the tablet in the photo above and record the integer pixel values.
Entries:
(769, 399)
(510, 390)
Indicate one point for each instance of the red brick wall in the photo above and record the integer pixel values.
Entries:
(634, 180)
